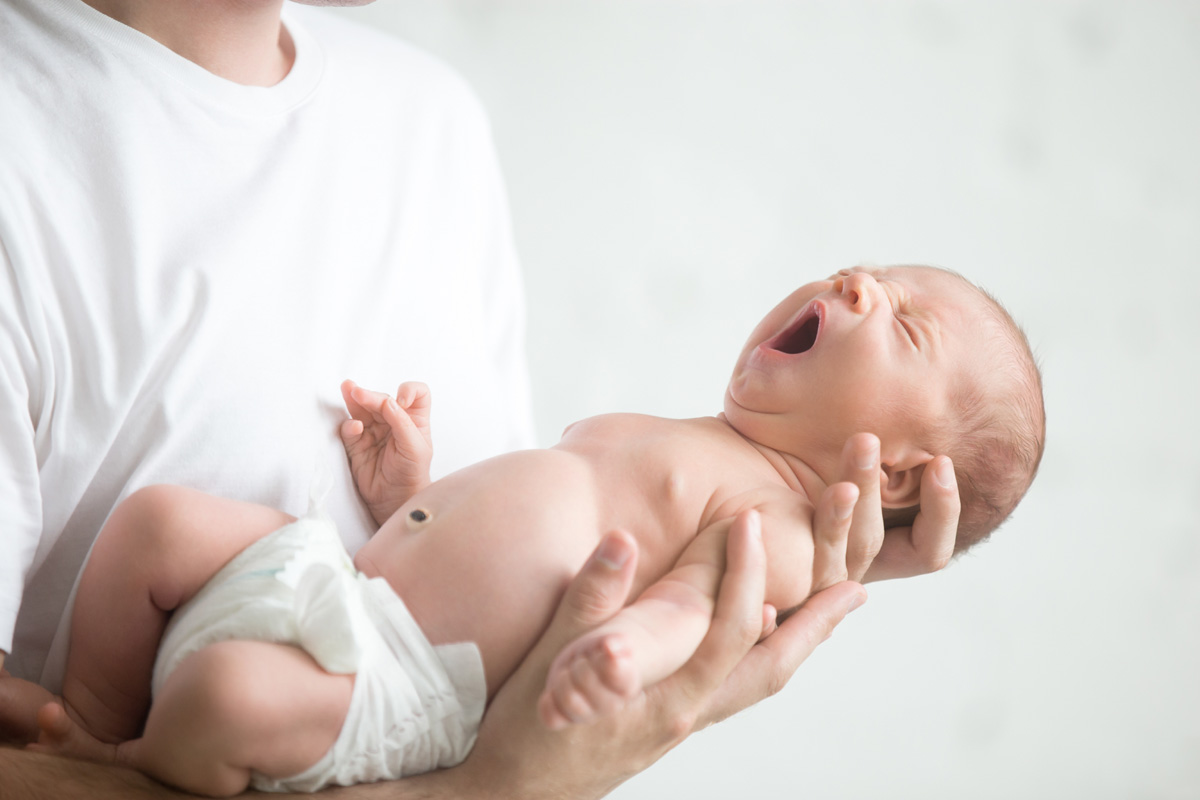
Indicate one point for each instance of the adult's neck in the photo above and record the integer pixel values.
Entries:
(243, 41)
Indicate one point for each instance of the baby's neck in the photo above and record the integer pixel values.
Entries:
(797, 473)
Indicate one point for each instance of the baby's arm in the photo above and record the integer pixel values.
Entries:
(647, 641)
(389, 444)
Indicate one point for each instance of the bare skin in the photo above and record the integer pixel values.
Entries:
(728, 672)
(241, 41)
(215, 722)
(674, 486)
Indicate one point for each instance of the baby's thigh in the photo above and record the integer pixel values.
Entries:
(264, 706)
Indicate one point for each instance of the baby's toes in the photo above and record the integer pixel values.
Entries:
(570, 692)
(613, 664)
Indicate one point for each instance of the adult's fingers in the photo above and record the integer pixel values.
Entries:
(516, 754)
(860, 466)
(928, 545)
(831, 528)
(771, 663)
(736, 625)
(597, 593)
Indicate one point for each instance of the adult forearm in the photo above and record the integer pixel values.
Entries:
(33, 776)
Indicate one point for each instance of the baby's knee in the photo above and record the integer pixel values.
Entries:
(214, 687)
(151, 502)
(138, 522)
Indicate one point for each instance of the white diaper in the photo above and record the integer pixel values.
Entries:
(415, 707)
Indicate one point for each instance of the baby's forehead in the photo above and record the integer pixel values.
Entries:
(932, 282)
(936, 291)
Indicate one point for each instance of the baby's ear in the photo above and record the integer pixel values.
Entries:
(900, 484)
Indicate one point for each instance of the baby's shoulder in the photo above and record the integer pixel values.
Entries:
(776, 503)
(787, 507)
(621, 429)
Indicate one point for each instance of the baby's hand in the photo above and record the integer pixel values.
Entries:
(592, 676)
(389, 444)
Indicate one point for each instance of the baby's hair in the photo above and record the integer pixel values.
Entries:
(999, 435)
(995, 437)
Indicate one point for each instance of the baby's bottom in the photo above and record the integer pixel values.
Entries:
(227, 710)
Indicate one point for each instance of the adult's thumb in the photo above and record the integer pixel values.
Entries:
(598, 592)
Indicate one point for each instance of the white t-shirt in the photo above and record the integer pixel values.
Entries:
(190, 267)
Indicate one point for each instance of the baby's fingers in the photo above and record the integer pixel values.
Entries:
(351, 431)
(371, 402)
(363, 404)
(413, 397)
(406, 435)
(352, 405)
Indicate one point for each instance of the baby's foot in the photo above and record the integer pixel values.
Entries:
(63, 736)
(19, 704)
(591, 677)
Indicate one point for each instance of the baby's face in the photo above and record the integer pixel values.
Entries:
(878, 350)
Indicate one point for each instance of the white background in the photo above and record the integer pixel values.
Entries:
(676, 167)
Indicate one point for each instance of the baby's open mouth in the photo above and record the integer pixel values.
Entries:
(801, 335)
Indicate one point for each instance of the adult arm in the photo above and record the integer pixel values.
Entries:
(582, 761)
(730, 671)
(517, 756)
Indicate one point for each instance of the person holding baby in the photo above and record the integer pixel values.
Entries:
(204, 204)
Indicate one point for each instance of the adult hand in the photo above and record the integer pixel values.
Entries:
(923, 547)
(517, 756)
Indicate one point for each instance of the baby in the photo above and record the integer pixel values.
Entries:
(330, 678)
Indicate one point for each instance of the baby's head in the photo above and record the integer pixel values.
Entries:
(917, 355)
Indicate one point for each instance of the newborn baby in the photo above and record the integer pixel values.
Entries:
(286, 667)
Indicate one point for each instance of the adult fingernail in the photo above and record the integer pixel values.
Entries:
(755, 522)
(944, 474)
(869, 457)
(612, 553)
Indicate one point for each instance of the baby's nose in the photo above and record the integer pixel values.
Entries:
(856, 288)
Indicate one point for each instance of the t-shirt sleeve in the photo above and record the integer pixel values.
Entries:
(20, 495)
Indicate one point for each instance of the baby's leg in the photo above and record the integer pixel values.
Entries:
(644, 643)
(157, 549)
(228, 709)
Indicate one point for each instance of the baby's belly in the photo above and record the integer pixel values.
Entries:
(484, 554)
